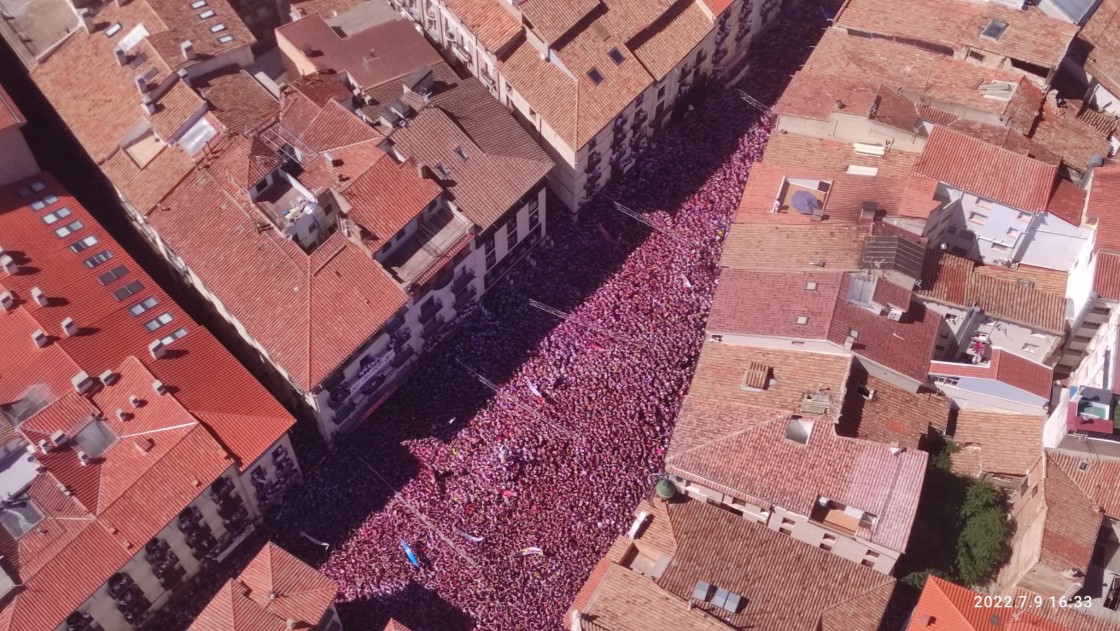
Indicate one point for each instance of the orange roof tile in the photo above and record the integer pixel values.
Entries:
(1005, 443)
(987, 171)
(1102, 35)
(1005, 367)
(783, 247)
(10, 116)
(1104, 206)
(890, 414)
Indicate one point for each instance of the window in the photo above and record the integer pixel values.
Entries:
(158, 321)
(661, 92)
(50, 218)
(945, 380)
(198, 4)
(1013, 233)
(1001, 248)
(69, 229)
(615, 56)
(206, 14)
(491, 254)
(976, 55)
(87, 242)
(113, 30)
(595, 76)
(98, 259)
(117, 272)
(511, 235)
(174, 335)
(977, 218)
(225, 39)
(811, 286)
(462, 153)
(40, 204)
(1030, 348)
(802, 319)
(1025, 217)
(1082, 338)
(994, 29)
(217, 28)
(534, 215)
(121, 293)
(38, 186)
(853, 333)
(143, 305)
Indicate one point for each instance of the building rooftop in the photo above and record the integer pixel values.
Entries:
(1064, 133)
(818, 305)
(114, 315)
(495, 25)
(876, 409)
(997, 442)
(819, 590)
(272, 590)
(1099, 43)
(1028, 36)
(955, 280)
(381, 53)
(782, 247)
(893, 83)
(10, 116)
(1033, 379)
(987, 171)
(1094, 476)
(747, 452)
(1104, 206)
(652, 38)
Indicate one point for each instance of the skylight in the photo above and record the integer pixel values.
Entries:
(595, 76)
(113, 30)
(225, 39)
(217, 28)
(462, 153)
(615, 56)
(209, 13)
(19, 517)
(994, 29)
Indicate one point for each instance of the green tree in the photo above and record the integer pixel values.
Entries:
(985, 532)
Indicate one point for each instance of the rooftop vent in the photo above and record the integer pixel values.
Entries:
(108, 377)
(798, 430)
(144, 444)
(69, 327)
(122, 57)
(756, 378)
(83, 459)
(815, 403)
(157, 348)
(8, 264)
(7, 301)
(39, 297)
(135, 401)
(40, 338)
(148, 104)
(82, 382)
(123, 416)
(141, 85)
(158, 387)
(86, 17)
(187, 48)
(58, 438)
(44, 445)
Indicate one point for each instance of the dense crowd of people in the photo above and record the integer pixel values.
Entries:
(506, 495)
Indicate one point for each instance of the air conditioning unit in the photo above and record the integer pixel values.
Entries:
(894, 314)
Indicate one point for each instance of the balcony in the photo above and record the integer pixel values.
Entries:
(465, 296)
(435, 236)
(432, 327)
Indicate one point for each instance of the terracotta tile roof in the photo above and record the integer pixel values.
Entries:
(751, 457)
(794, 247)
(481, 117)
(1076, 141)
(652, 38)
(785, 375)
(620, 598)
(388, 196)
(482, 185)
(1005, 443)
(238, 100)
(1104, 206)
(1030, 36)
(1073, 522)
(919, 198)
(393, 625)
(321, 87)
(145, 187)
(892, 82)
(274, 588)
(321, 129)
(326, 8)
(955, 280)
(1042, 279)
(769, 303)
(815, 591)
(945, 606)
(823, 155)
(10, 116)
(102, 104)
(552, 19)
(202, 372)
(494, 25)
(1068, 202)
(289, 302)
(371, 57)
(1106, 277)
(1102, 36)
(1094, 477)
(990, 172)
(891, 414)
(1005, 367)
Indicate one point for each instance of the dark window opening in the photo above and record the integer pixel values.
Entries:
(595, 76)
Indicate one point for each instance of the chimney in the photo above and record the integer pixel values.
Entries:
(44, 446)
(291, 624)
(87, 20)
(39, 297)
(157, 349)
(122, 57)
(927, 620)
(187, 47)
(8, 264)
(69, 327)
(40, 338)
(7, 301)
(134, 401)
(158, 387)
(149, 105)
(142, 85)
(123, 416)
(81, 382)
(849, 342)
(185, 76)
(144, 445)
(83, 458)
(58, 438)
(108, 377)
